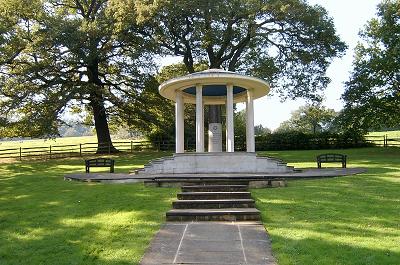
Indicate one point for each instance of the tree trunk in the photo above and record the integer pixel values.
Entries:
(214, 115)
(104, 144)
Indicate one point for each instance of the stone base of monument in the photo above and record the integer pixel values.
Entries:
(215, 163)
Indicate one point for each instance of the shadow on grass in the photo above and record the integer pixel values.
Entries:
(344, 220)
(329, 252)
(46, 220)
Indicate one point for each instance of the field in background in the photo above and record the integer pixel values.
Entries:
(48, 142)
(387, 138)
(388, 133)
(65, 147)
(93, 139)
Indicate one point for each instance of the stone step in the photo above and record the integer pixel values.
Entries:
(231, 214)
(213, 204)
(213, 195)
(202, 188)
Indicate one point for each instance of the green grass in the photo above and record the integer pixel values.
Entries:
(346, 220)
(46, 220)
(55, 141)
(388, 133)
(47, 142)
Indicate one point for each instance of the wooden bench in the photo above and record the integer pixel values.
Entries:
(100, 162)
(331, 158)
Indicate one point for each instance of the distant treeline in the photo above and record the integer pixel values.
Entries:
(285, 141)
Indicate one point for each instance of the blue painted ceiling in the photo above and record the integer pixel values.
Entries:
(214, 90)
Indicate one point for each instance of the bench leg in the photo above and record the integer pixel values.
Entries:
(319, 164)
(87, 169)
(112, 169)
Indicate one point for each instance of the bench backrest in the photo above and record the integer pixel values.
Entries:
(331, 157)
(99, 161)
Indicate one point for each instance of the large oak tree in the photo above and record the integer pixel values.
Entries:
(61, 55)
(289, 43)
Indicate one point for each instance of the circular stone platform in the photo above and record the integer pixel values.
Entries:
(307, 173)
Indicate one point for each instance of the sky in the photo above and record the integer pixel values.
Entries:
(349, 17)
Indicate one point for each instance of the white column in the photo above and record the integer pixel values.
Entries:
(199, 119)
(179, 123)
(230, 136)
(250, 144)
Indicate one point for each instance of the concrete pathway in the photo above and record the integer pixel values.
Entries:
(201, 243)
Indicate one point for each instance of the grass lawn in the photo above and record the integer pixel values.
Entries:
(46, 220)
(346, 220)
(388, 133)
(54, 142)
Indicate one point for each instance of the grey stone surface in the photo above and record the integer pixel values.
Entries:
(215, 162)
(165, 245)
(253, 177)
(228, 243)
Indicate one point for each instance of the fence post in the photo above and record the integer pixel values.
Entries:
(131, 146)
(50, 151)
(80, 149)
(20, 154)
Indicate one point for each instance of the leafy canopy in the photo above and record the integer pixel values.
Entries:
(309, 119)
(289, 43)
(58, 55)
(372, 95)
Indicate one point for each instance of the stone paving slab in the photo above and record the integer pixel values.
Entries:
(219, 243)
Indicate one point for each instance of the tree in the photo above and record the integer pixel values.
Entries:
(261, 130)
(58, 55)
(372, 95)
(288, 43)
(309, 119)
(240, 126)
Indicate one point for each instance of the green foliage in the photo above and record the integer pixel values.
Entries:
(349, 220)
(240, 130)
(309, 119)
(294, 140)
(372, 94)
(288, 43)
(164, 110)
(62, 55)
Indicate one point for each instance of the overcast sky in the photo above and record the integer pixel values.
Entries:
(349, 17)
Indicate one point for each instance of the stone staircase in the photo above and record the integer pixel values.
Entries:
(214, 202)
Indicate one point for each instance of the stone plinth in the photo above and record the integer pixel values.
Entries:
(214, 163)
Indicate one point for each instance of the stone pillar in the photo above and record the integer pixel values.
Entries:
(179, 123)
(230, 136)
(250, 143)
(199, 119)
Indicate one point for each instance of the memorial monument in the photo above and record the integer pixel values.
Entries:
(214, 87)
